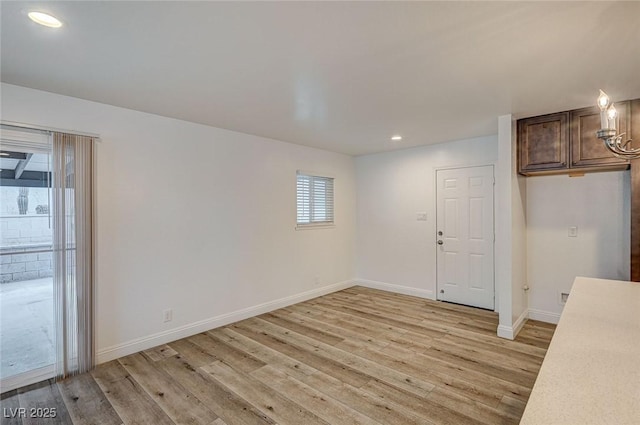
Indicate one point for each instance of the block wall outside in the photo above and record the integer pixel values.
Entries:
(20, 234)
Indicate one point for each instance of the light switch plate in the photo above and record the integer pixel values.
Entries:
(421, 216)
(573, 232)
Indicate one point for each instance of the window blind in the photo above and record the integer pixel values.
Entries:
(73, 248)
(24, 140)
(314, 200)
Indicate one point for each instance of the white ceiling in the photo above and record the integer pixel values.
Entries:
(342, 76)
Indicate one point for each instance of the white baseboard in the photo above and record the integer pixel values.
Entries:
(399, 289)
(144, 343)
(510, 332)
(544, 316)
(517, 326)
(505, 332)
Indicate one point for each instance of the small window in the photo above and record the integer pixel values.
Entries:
(314, 200)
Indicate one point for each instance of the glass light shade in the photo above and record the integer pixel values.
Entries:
(612, 114)
(603, 101)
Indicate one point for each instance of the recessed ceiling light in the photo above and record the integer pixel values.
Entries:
(396, 138)
(45, 19)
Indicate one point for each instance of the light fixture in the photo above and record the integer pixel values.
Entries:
(608, 134)
(396, 138)
(45, 19)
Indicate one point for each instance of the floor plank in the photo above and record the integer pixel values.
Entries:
(325, 407)
(196, 355)
(355, 357)
(86, 403)
(128, 399)
(38, 400)
(10, 408)
(221, 351)
(329, 366)
(271, 403)
(230, 407)
(178, 403)
(384, 411)
(365, 366)
(422, 407)
(160, 352)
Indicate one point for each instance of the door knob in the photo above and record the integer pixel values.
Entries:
(440, 242)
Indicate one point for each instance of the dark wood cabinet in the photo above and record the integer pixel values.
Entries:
(586, 149)
(566, 142)
(543, 142)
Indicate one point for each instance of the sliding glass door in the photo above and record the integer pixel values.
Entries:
(46, 248)
(27, 331)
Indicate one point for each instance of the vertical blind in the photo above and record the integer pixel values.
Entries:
(314, 199)
(72, 171)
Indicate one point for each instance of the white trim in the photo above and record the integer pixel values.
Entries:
(400, 289)
(26, 378)
(466, 165)
(517, 326)
(143, 343)
(510, 332)
(505, 332)
(544, 316)
(315, 174)
(315, 226)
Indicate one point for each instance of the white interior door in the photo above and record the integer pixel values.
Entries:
(465, 236)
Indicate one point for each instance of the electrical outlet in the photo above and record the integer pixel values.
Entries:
(573, 232)
(564, 296)
(167, 315)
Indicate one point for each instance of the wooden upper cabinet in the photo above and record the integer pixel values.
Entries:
(543, 143)
(566, 142)
(586, 149)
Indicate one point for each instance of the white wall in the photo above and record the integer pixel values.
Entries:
(228, 248)
(195, 218)
(599, 205)
(395, 251)
(519, 297)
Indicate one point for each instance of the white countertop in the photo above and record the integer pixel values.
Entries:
(591, 372)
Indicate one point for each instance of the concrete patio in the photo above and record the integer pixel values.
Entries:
(26, 326)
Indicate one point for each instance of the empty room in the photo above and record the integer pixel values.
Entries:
(322, 212)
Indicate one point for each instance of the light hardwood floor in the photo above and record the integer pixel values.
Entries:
(358, 356)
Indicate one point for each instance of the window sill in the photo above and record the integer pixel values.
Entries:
(314, 226)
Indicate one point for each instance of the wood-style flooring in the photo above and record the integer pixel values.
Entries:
(358, 356)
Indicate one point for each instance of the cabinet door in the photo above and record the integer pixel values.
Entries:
(586, 149)
(542, 143)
